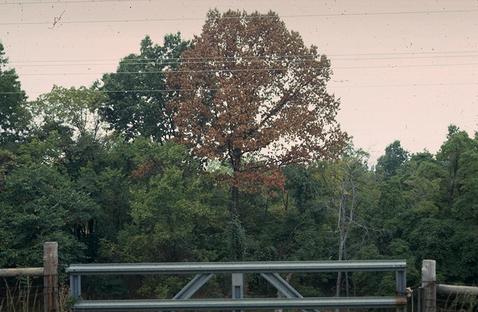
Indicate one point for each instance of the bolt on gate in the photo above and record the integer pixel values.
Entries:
(291, 298)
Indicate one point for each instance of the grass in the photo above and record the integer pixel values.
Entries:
(459, 303)
(22, 296)
(25, 296)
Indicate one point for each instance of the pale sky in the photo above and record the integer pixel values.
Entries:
(403, 69)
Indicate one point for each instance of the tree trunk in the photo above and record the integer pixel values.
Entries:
(342, 237)
(237, 231)
(234, 204)
(285, 200)
(452, 184)
(345, 218)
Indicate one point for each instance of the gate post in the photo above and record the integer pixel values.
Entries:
(429, 285)
(50, 276)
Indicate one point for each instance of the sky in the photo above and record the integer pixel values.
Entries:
(403, 70)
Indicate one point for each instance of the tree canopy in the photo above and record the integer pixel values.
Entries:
(252, 89)
(74, 108)
(14, 116)
(137, 96)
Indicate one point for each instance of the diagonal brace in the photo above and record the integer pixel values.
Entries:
(190, 289)
(284, 287)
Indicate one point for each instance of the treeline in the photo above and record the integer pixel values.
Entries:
(112, 174)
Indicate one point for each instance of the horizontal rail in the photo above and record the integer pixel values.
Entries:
(21, 272)
(236, 267)
(245, 304)
(457, 289)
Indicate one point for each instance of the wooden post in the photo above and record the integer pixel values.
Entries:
(429, 285)
(50, 276)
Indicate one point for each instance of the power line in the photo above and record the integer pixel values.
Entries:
(406, 52)
(298, 60)
(68, 2)
(160, 72)
(179, 19)
(208, 59)
(410, 85)
(131, 91)
(403, 66)
(239, 70)
(188, 60)
(335, 86)
(402, 57)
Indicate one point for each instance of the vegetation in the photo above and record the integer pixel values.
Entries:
(254, 104)
(123, 176)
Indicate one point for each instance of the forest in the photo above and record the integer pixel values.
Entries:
(224, 148)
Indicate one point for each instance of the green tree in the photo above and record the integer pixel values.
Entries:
(136, 103)
(40, 204)
(14, 116)
(75, 108)
(451, 154)
(172, 216)
(6, 163)
(466, 201)
(395, 156)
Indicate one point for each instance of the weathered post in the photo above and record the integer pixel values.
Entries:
(50, 276)
(429, 285)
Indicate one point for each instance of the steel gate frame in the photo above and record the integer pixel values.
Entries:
(268, 270)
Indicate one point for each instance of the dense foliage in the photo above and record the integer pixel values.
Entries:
(137, 96)
(13, 116)
(255, 98)
(135, 195)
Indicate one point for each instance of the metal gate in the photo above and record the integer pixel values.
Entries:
(292, 299)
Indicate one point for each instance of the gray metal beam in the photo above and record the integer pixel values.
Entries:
(245, 304)
(401, 282)
(237, 267)
(193, 286)
(283, 287)
(237, 287)
(75, 286)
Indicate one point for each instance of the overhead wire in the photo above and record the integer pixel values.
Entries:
(209, 59)
(68, 2)
(392, 66)
(393, 55)
(264, 16)
(218, 89)
(161, 72)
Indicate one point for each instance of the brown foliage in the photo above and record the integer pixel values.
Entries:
(253, 90)
(145, 169)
